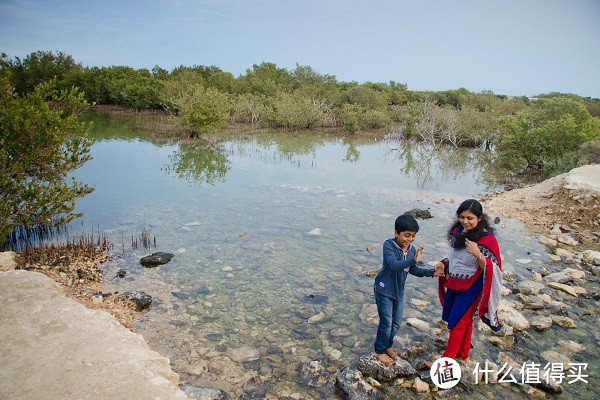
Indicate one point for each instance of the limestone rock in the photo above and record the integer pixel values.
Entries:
(351, 385)
(200, 393)
(548, 241)
(419, 386)
(529, 287)
(7, 260)
(510, 316)
(560, 277)
(570, 346)
(313, 374)
(563, 321)
(371, 366)
(541, 323)
(592, 257)
(136, 300)
(565, 288)
(419, 324)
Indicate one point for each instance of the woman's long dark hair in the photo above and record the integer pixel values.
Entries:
(457, 236)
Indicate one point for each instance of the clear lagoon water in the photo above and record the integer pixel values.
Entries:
(265, 225)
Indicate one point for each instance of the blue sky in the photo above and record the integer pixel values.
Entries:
(513, 47)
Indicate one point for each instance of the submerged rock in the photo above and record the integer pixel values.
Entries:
(351, 385)
(313, 374)
(419, 213)
(243, 354)
(156, 259)
(368, 314)
(200, 393)
(316, 298)
(137, 300)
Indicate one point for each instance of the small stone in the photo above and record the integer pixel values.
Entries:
(565, 288)
(555, 357)
(243, 354)
(592, 257)
(563, 321)
(418, 323)
(541, 323)
(548, 241)
(529, 287)
(317, 318)
(216, 367)
(559, 277)
(566, 239)
(419, 303)
(372, 272)
(564, 253)
(523, 260)
(420, 387)
(315, 232)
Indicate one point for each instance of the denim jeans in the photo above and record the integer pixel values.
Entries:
(390, 316)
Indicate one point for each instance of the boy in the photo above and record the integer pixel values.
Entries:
(399, 258)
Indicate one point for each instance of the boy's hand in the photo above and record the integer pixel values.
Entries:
(419, 253)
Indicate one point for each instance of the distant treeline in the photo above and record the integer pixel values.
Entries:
(552, 132)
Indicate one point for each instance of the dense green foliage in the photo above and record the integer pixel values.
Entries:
(528, 131)
(41, 142)
(547, 136)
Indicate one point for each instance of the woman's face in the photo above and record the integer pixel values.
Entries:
(468, 220)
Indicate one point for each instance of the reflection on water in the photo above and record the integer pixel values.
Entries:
(198, 163)
(249, 261)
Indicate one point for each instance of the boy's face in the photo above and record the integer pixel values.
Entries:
(405, 238)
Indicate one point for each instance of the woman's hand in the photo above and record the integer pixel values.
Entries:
(439, 270)
(475, 252)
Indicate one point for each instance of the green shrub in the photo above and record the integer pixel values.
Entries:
(375, 119)
(203, 109)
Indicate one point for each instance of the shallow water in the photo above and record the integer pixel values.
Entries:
(266, 220)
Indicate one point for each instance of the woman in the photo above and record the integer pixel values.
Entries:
(473, 277)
